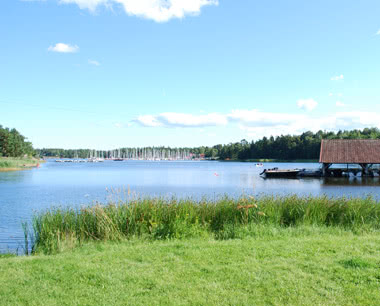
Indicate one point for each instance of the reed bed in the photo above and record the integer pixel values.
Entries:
(158, 218)
(17, 163)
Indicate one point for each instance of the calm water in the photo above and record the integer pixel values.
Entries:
(76, 184)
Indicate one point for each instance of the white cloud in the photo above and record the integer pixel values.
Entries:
(340, 104)
(340, 95)
(378, 32)
(254, 118)
(358, 120)
(334, 122)
(337, 78)
(307, 104)
(86, 4)
(118, 125)
(148, 121)
(257, 124)
(182, 120)
(64, 48)
(331, 94)
(266, 124)
(157, 10)
(92, 62)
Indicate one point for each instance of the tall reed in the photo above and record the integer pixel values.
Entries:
(159, 218)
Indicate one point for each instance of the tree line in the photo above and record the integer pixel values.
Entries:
(13, 144)
(284, 147)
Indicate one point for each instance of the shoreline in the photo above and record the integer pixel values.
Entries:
(18, 164)
(158, 218)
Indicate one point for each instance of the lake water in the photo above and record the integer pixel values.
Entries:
(74, 184)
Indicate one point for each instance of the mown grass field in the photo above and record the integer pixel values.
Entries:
(305, 265)
(11, 164)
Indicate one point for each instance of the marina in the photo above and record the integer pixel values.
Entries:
(125, 154)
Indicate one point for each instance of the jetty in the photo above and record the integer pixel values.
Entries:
(339, 158)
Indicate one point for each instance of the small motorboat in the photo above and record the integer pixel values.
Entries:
(280, 173)
(259, 165)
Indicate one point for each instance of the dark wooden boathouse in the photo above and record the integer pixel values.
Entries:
(363, 152)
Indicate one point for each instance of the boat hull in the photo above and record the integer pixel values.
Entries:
(281, 173)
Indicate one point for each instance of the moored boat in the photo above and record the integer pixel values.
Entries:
(281, 173)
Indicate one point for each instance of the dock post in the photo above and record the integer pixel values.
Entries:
(364, 169)
(325, 167)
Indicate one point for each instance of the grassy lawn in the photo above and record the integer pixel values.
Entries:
(273, 266)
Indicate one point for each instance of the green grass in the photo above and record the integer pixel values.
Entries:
(7, 255)
(61, 228)
(10, 163)
(303, 265)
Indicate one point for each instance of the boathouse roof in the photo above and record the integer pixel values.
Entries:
(350, 151)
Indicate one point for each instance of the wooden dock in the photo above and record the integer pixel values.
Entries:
(340, 158)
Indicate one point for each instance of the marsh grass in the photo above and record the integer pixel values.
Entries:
(8, 254)
(9, 163)
(158, 218)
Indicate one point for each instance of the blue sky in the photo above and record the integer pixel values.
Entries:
(109, 73)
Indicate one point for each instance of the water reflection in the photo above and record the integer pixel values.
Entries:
(13, 176)
(352, 181)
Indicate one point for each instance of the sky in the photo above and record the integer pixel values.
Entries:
(104, 74)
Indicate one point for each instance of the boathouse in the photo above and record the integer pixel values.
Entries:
(363, 152)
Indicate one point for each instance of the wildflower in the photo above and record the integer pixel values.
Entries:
(260, 213)
(246, 206)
